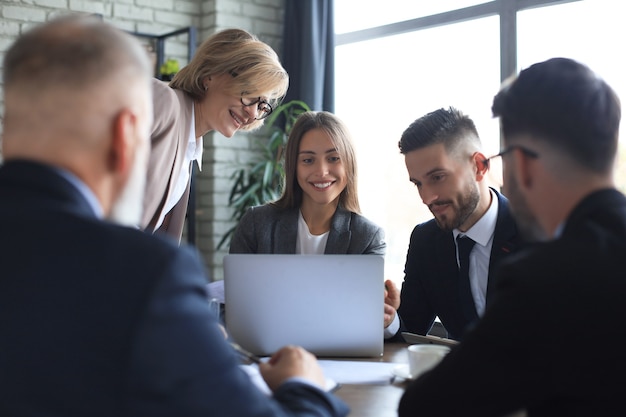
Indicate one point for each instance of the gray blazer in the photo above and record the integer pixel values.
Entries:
(267, 229)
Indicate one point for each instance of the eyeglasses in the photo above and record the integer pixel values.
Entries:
(495, 169)
(509, 149)
(263, 109)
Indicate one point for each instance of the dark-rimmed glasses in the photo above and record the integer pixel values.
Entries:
(263, 109)
(496, 170)
(509, 149)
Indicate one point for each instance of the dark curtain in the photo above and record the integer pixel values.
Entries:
(309, 52)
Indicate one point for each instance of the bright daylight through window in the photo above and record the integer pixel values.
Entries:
(383, 83)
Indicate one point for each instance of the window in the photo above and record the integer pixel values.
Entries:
(387, 76)
(593, 33)
(371, 14)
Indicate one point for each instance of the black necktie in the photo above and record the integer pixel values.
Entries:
(465, 245)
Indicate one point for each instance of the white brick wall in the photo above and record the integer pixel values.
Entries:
(221, 155)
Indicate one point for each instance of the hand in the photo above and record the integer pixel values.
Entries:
(289, 362)
(392, 302)
(390, 314)
(392, 295)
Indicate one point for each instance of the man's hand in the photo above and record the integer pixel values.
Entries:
(289, 362)
(390, 313)
(392, 301)
(392, 294)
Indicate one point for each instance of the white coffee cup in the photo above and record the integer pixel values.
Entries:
(423, 357)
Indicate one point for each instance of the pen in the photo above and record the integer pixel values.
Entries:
(254, 358)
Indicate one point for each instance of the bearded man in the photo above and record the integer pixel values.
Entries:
(443, 157)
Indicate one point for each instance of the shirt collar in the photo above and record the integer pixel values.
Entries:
(482, 231)
(85, 191)
(196, 145)
(559, 230)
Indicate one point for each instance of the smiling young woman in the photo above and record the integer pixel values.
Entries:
(318, 211)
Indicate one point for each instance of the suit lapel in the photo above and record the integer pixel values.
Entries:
(285, 232)
(340, 234)
(505, 239)
(183, 128)
(448, 275)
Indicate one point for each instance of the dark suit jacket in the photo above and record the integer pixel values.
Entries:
(553, 339)
(102, 320)
(266, 229)
(431, 285)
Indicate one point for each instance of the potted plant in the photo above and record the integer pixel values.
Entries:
(261, 181)
(168, 69)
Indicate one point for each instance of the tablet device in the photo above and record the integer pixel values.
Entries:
(415, 339)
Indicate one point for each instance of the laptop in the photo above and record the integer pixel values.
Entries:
(332, 305)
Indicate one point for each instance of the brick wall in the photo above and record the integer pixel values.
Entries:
(222, 156)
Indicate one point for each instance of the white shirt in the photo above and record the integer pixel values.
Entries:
(482, 233)
(193, 152)
(308, 244)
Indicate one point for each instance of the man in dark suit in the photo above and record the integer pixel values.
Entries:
(552, 340)
(443, 157)
(99, 319)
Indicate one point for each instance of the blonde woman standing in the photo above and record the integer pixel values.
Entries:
(232, 83)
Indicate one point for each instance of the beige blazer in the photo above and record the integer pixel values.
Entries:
(170, 134)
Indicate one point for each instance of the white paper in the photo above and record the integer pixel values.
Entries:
(358, 372)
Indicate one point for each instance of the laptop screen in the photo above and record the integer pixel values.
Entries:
(332, 305)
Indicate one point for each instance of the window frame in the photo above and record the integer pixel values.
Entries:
(506, 9)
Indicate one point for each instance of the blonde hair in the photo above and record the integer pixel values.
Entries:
(254, 66)
(342, 141)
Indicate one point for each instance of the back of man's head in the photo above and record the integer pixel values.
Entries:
(64, 81)
(449, 127)
(78, 97)
(565, 105)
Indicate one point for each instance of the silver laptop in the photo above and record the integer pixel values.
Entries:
(332, 305)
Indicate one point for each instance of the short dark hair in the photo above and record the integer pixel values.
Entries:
(447, 126)
(564, 103)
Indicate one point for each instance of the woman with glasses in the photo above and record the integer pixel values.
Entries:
(318, 211)
(232, 83)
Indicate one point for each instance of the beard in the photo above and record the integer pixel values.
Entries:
(526, 221)
(467, 203)
(128, 208)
